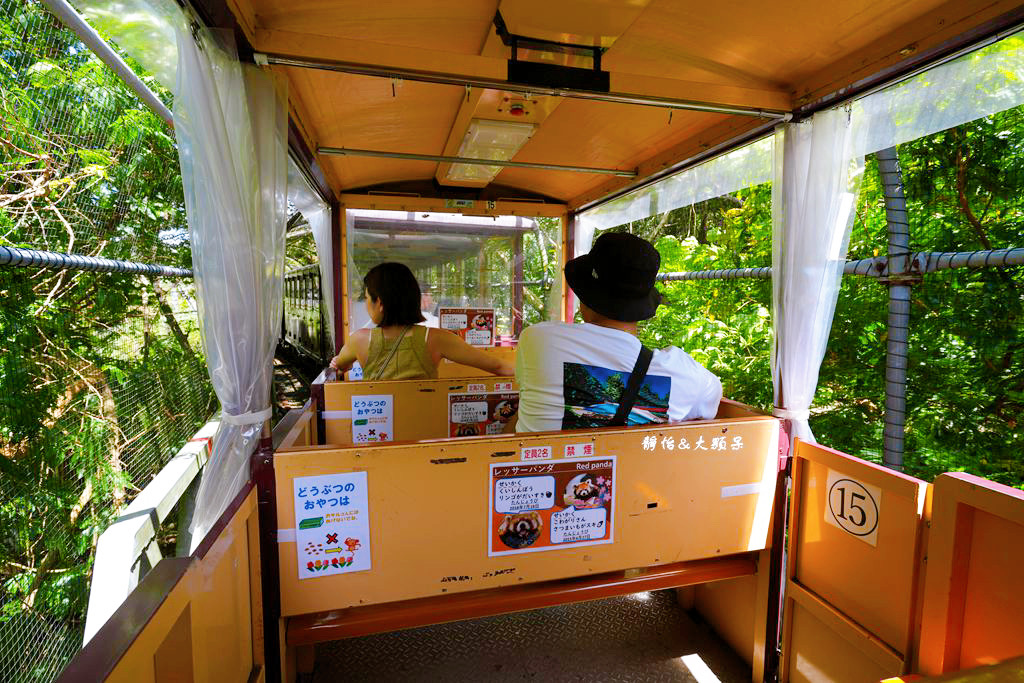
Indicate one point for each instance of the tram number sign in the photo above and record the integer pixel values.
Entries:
(853, 506)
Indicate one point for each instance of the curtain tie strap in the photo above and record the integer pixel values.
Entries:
(247, 418)
(787, 414)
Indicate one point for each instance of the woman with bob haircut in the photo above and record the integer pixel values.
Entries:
(399, 347)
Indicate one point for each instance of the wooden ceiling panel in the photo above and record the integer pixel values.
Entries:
(740, 53)
(362, 113)
(599, 134)
(582, 22)
(752, 43)
(451, 25)
(357, 172)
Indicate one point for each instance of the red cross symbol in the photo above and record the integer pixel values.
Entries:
(332, 538)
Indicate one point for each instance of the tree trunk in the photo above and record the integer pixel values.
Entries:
(179, 334)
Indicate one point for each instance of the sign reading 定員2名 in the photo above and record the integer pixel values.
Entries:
(475, 325)
(332, 524)
(853, 506)
(373, 419)
(550, 505)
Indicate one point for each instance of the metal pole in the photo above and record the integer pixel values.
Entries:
(87, 34)
(29, 258)
(508, 86)
(346, 151)
(920, 262)
(899, 280)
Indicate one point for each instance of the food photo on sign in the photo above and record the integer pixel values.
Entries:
(557, 504)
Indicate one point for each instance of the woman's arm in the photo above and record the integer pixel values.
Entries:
(357, 345)
(452, 347)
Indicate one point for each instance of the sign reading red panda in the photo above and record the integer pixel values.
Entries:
(474, 414)
(475, 325)
(551, 505)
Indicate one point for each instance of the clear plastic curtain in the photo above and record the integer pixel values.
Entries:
(813, 197)
(318, 215)
(145, 29)
(741, 168)
(231, 126)
(974, 85)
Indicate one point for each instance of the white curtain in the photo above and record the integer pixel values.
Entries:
(813, 196)
(231, 127)
(318, 214)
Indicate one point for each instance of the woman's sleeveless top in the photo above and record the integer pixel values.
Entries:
(411, 360)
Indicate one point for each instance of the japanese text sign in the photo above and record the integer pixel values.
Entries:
(473, 414)
(373, 419)
(551, 505)
(332, 524)
(475, 325)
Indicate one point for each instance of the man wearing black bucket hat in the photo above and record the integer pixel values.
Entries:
(599, 374)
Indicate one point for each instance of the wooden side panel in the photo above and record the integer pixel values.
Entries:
(729, 607)
(738, 611)
(203, 630)
(824, 654)
(448, 369)
(420, 406)
(221, 606)
(860, 578)
(972, 595)
(429, 511)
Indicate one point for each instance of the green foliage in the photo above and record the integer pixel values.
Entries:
(100, 374)
(965, 393)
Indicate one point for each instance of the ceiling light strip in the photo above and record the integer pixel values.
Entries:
(498, 84)
(346, 151)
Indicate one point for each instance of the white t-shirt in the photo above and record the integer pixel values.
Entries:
(571, 377)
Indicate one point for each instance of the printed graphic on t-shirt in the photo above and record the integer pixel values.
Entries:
(592, 396)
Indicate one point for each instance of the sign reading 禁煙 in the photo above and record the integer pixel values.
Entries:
(853, 506)
(475, 325)
(373, 419)
(550, 505)
(473, 414)
(332, 524)
(579, 450)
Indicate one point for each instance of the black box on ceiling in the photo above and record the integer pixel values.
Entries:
(557, 76)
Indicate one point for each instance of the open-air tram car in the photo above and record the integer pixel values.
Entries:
(480, 142)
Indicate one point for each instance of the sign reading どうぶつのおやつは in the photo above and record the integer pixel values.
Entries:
(373, 419)
(332, 524)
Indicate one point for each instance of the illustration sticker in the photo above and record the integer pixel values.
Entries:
(551, 505)
(853, 506)
(473, 414)
(475, 325)
(332, 524)
(373, 419)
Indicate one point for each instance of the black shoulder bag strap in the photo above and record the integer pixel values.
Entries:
(636, 379)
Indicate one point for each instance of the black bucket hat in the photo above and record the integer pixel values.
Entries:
(616, 279)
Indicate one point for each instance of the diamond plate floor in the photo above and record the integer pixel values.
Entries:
(639, 637)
